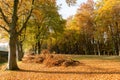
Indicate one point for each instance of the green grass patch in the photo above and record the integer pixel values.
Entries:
(2, 63)
(94, 57)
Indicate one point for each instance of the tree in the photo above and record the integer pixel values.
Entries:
(46, 21)
(108, 20)
(85, 20)
(10, 24)
(10, 12)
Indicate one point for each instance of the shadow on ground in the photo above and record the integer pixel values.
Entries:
(68, 72)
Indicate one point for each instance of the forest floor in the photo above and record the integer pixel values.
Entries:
(95, 68)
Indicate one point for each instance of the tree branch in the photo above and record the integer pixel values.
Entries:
(4, 28)
(4, 17)
(14, 15)
(28, 17)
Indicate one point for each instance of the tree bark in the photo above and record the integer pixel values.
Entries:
(113, 40)
(12, 62)
(21, 49)
(39, 47)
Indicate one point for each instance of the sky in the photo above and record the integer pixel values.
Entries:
(67, 11)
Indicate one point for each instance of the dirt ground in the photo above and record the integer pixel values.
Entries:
(89, 70)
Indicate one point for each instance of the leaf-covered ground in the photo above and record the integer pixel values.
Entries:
(90, 70)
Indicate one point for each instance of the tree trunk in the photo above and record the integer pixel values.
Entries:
(118, 44)
(36, 48)
(119, 50)
(12, 63)
(20, 52)
(17, 50)
(94, 48)
(113, 40)
(118, 37)
(98, 48)
(39, 47)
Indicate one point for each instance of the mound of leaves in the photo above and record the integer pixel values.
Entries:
(50, 59)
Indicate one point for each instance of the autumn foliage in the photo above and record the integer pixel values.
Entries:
(93, 30)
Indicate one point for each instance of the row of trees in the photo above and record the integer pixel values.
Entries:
(94, 29)
(42, 17)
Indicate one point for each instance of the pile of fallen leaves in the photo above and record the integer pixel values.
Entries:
(50, 59)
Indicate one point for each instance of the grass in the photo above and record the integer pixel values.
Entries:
(1, 64)
(94, 57)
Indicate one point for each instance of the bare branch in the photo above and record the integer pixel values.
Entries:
(2, 27)
(4, 17)
(24, 36)
(25, 23)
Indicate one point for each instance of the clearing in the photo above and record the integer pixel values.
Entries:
(93, 68)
